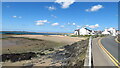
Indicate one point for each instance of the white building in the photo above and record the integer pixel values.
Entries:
(93, 32)
(106, 32)
(76, 32)
(111, 31)
(84, 31)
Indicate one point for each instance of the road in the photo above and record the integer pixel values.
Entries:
(99, 56)
(111, 45)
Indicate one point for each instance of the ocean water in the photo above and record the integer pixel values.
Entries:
(30, 33)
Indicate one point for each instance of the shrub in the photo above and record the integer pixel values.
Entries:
(74, 36)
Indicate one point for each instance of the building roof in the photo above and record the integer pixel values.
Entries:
(88, 30)
(77, 29)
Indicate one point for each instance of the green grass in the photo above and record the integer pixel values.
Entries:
(80, 35)
(101, 35)
(94, 36)
(73, 35)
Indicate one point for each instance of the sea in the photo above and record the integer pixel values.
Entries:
(28, 33)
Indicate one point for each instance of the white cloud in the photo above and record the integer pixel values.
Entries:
(39, 23)
(94, 8)
(73, 24)
(78, 26)
(54, 16)
(51, 8)
(65, 3)
(93, 26)
(42, 21)
(62, 26)
(55, 24)
(17, 16)
(97, 25)
(14, 16)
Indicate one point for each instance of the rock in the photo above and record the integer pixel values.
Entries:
(18, 57)
(51, 49)
(28, 65)
(61, 49)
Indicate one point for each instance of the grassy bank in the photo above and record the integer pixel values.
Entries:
(88, 35)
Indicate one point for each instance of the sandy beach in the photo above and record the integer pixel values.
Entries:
(41, 46)
(55, 38)
(25, 43)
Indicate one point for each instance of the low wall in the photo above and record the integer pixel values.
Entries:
(88, 59)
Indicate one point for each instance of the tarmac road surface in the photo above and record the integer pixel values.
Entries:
(100, 58)
(111, 45)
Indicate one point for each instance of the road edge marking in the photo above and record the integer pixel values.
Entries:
(116, 39)
(108, 54)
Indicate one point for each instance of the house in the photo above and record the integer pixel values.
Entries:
(76, 32)
(93, 32)
(113, 31)
(106, 32)
(109, 31)
(99, 32)
(84, 31)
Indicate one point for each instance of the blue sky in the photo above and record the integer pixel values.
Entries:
(57, 16)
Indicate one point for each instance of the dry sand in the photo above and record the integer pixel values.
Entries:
(20, 44)
(55, 38)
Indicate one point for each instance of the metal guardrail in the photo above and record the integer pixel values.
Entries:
(88, 59)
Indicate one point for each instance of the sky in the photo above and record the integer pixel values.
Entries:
(58, 16)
